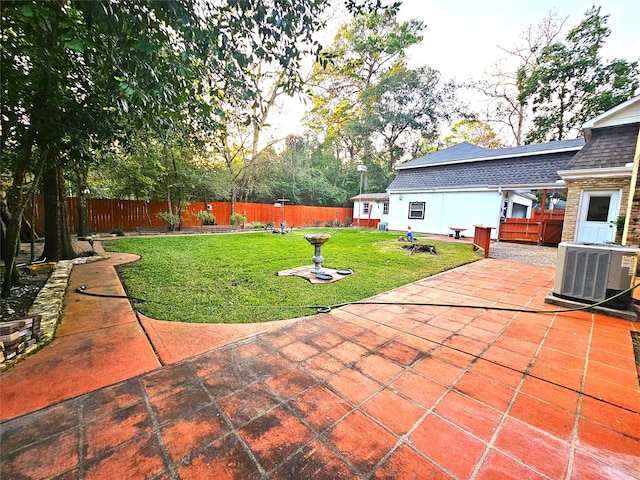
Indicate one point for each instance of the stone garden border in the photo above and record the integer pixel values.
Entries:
(49, 304)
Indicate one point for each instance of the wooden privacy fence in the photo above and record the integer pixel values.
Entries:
(542, 228)
(105, 215)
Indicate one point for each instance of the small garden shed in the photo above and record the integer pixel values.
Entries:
(370, 209)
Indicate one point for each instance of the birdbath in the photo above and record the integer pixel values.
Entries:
(317, 240)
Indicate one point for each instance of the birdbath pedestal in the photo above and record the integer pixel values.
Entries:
(317, 240)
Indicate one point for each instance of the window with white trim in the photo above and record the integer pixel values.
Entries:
(416, 210)
(365, 207)
(385, 208)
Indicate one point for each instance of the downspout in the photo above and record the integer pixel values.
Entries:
(503, 195)
(632, 190)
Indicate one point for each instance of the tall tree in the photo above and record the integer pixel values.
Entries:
(573, 84)
(368, 105)
(474, 132)
(403, 108)
(503, 82)
(155, 63)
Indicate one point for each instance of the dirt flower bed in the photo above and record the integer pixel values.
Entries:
(31, 282)
(22, 296)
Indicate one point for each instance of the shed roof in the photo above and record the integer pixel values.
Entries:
(374, 197)
(466, 152)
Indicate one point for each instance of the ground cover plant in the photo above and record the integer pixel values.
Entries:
(232, 278)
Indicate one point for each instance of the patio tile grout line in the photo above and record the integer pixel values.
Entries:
(429, 411)
(525, 374)
(578, 415)
(156, 429)
(148, 337)
(233, 431)
(402, 439)
(502, 365)
(82, 443)
(505, 414)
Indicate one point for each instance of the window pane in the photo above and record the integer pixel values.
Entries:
(365, 208)
(416, 210)
(385, 208)
(598, 209)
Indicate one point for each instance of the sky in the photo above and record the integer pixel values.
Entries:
(462, 38)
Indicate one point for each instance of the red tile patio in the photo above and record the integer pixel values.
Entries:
(361, 392)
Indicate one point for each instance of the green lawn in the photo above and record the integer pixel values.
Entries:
(231, 278)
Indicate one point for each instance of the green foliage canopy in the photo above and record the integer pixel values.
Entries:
(572, 82)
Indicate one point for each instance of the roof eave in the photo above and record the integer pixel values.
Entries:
(611, 172)
(482, 188)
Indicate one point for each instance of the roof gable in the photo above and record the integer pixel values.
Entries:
(624, 114)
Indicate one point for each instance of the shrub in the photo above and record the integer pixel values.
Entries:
(329, 223)
(117, 232)
(206, 217)
(348, 221)
(171, 219)
(237, 219)
(269, 225)
(256, 225)
(317, 223)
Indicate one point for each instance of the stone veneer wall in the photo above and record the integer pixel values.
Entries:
(573, 199)
(633, 233)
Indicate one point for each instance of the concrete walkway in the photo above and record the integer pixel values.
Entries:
(365, 391)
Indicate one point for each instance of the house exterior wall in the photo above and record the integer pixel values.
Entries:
(633, 217)
(573, 200)
(444, 210)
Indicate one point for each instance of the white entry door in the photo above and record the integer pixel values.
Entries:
(598, 212)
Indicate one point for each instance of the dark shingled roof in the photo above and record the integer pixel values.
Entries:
(530, 170)
(466, 152)
(608, 147)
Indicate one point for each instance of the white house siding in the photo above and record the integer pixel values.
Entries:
(376, 211)
(444, 210)
(518, 206)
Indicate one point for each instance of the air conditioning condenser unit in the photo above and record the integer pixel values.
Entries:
(591, 273)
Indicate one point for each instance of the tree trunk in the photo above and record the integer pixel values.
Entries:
(11, 246)
(232, 203)
(16, 202)
(57, 241)
(83, 221)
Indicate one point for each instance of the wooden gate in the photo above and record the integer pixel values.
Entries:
(543, 228)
